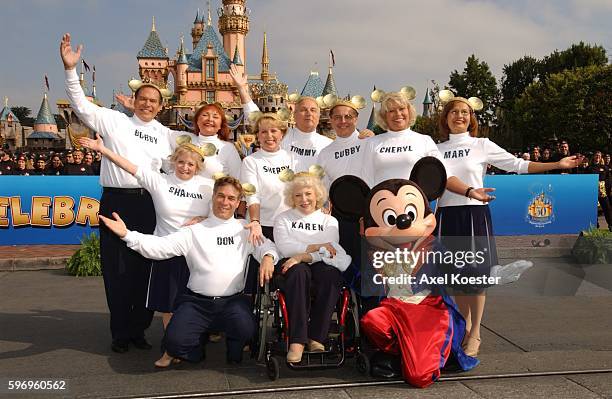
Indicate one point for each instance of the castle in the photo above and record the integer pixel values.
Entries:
(203, 74)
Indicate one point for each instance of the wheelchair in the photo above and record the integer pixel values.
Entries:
(272, 339)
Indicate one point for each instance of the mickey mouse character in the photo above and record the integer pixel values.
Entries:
(417, 320)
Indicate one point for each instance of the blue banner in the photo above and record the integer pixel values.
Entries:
(60, 209)
(48, 209)
(543, 204)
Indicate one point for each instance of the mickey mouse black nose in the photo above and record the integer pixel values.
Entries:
(403, 222)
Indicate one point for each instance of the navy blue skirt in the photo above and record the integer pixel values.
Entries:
(468, 228)
(167, 281)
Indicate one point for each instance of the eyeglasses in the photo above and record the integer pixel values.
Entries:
(338, 118)
(463, 112)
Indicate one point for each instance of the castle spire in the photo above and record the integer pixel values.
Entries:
(265, 61)
(153, 26)
(197, 18)
(6, 101)
(209, 22)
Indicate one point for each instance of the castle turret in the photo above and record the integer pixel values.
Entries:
(237, 60)
(181, 73)
(265, 60)
(427, 104)
(330, 83)
(313, 86)
(11, 133)
(45, 128)
(153, 60)
(197, 30)
(234, 26)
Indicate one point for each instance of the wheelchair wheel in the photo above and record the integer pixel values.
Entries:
(272, 368)
(363, 364)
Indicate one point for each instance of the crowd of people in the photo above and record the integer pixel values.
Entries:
(50, 163)
(172, 242)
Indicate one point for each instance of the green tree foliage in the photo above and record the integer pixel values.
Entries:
(23, 114)
(476, 80)
(577, 56)
(86, 260)
(427, 125)
(574, 104)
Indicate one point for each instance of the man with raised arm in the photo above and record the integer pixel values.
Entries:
(216, 251)
(145, 142)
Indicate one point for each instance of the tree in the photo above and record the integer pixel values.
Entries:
(574, 104)
(476, 80)
(577, 56)
(22, 113)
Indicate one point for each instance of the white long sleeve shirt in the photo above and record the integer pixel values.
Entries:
(467, 158)
(344, 156)
(143, 143)
(216, 251)
(261, 169)
(226, 160)
(304, 147)
(294, 232)
(176, 201)
(392, 155)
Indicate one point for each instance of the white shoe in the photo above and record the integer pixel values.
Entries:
(511, 272)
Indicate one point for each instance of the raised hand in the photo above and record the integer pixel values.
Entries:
(126, 101)
(70, 58)
(238, 77)
(96, 145)
(115, 225)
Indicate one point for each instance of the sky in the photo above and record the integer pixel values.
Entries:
(387, 43)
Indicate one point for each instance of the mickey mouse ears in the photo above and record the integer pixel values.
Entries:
(407, 91)
(283, 115)
(475, 103)
(136, 84)
(288, 175)
(247, 188)
(206, 150)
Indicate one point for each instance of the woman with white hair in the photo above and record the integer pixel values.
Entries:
(392, 155)
(309, 239)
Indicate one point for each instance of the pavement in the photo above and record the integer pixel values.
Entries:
(557, 317)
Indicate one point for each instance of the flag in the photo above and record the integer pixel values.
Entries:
(333, 59)
(94, 74)
(86, 66)
(47, 82)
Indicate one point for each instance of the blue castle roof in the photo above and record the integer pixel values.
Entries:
(153, 47)
(44, 117)
(314, 85)
(237, 60)
(6, 112)
(427, 99)
(330, 84)
(42, 135)
(209, 36)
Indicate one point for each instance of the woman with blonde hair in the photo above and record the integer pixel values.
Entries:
(309, 239)
(178, 198)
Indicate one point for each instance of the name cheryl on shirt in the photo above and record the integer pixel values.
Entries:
(404, 148)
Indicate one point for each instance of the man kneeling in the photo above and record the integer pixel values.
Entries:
(216, 251)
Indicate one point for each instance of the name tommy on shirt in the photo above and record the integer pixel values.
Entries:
(145, 137)
(306, 152)
(456, 153)
(393, 150)
(347, 152)
(307, 226)
(179, 192)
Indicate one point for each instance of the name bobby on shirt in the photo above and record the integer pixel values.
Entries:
(143, 143)
(216, 251)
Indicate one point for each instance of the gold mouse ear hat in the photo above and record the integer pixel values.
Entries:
(407, 91)
(247, 188)
(356, 102)
(282, 115)
(136, 84)
(206, 150)
(475, 103)
(288, 175)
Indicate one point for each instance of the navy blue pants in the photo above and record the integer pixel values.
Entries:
(195, 315)
(126, 272)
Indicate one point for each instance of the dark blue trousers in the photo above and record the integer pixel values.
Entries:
(195, 315)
